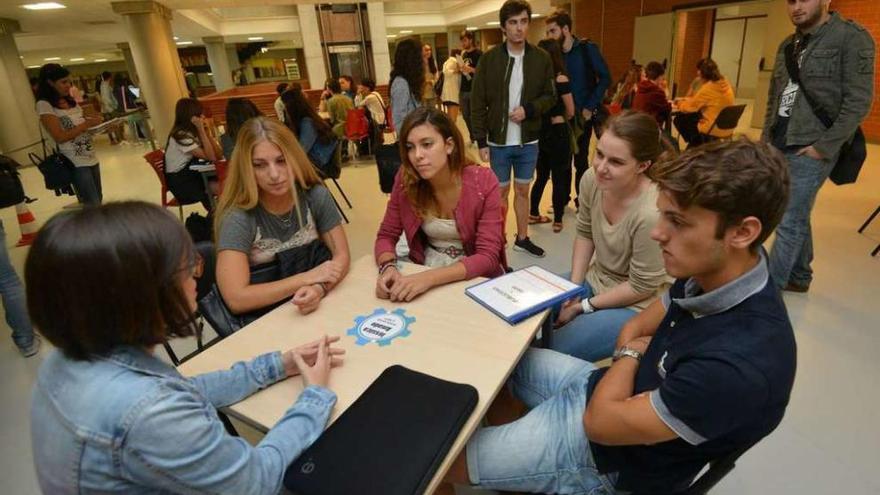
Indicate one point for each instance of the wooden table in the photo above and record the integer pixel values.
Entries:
(453, 338)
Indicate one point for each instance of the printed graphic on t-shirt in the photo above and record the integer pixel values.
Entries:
(264, 249)
(82, 144)
(786, 100)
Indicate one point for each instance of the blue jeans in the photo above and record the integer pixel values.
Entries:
(792, 250)
(521, 159)
(591, 337)
(547, 450)
(14, 301)
(87, 182)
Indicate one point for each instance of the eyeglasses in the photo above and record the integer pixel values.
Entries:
(198, 266)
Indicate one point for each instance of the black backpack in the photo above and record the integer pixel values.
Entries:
(11, 190)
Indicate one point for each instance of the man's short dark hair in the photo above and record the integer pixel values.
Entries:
(466, 34)
(560, 17)
(654, 70)
(368, 83)
(281, 88)
(349, 79)
(512, 8)
(334, 86)
(106, 75)
(735, 179)
(110, 276)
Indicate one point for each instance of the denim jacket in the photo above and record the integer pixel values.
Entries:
(129, 423)
(838, 71)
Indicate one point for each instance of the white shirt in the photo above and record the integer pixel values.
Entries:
(514, 95)
(177, 155)
(279, 109)
(79, 149)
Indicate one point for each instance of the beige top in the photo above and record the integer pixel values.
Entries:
(444, 242)
(623, 251)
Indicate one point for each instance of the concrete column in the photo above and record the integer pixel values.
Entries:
(379, 41)
(216, 48)
(20, 124)
(129, 62)
(778, 28)
(314, 53)
(148, 25)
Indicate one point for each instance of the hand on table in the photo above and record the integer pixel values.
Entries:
(408, 287)
(386, 281)
(308, 297)
(327, 272)
(313, 360)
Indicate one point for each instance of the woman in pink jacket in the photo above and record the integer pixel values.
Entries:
(448, 208)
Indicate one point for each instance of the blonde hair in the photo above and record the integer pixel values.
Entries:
(240, 189)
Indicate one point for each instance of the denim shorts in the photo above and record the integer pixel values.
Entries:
(519, 158)
(545, 451)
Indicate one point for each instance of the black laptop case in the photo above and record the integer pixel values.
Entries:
(390, 441)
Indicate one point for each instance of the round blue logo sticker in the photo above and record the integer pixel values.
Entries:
(381, 327)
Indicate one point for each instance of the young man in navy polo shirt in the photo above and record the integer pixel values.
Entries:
(702, 373)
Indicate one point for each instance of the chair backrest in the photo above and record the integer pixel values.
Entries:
(356, 125)
(156, 159)
(221, 167)
(718, 469)
(728, 118)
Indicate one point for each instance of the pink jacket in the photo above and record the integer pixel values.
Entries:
(477, 217)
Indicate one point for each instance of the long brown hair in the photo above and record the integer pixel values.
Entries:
(554, 49)
(419, 191)
(641, 132)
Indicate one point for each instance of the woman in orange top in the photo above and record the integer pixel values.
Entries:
(700, 111)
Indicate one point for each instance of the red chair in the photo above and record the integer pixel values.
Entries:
(357, 127)
(222, 169)
(156, 159)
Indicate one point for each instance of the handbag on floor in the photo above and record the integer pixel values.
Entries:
(11, 190)
(388, 163)
(391, 440)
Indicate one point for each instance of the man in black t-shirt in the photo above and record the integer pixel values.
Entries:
(701, 373)
(471, 56)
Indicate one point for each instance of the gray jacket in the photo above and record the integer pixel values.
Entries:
(838, 71)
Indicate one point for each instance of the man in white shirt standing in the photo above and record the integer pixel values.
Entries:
(279, 105)
(512, 88)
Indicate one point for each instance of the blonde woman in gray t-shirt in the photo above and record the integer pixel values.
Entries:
(272, 204)
(614, 256)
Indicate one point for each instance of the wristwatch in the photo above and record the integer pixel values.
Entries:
(628, 352)
(588, 308)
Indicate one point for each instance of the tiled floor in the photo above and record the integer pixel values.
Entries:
(827, 442)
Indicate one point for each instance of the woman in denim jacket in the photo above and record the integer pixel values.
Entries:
(106, 286)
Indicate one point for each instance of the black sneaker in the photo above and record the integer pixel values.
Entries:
(527, 246)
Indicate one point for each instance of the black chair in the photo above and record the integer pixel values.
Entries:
(335, 165)
(865, 225)
(718, 469)
(727, 120)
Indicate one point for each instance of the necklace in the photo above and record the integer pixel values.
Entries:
(287, 220)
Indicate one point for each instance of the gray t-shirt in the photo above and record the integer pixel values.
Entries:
(261, 235)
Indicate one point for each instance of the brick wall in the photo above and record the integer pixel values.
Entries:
(610, 23)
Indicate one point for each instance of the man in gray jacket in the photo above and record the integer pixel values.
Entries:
(835, 57)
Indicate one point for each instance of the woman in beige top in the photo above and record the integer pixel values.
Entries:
(429, 97)
(617, 212)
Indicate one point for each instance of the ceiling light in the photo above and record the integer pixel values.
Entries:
(471, 28)
(33, 66)
(100, 60)
(78, 59)
(406, 31)
(52, 59)
(535, 15)
(43, 6)
(176, 38)
(210, 73)
(391, 36)
(255, 38)
(184, 43)
(493, 23)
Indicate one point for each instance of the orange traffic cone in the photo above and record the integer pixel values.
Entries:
(27, 223)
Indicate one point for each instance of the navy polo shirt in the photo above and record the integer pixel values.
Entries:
(719, 372)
